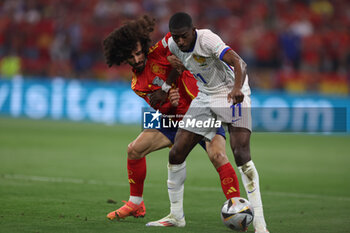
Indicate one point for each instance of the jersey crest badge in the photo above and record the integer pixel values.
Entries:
(156, 69)
(200, 60)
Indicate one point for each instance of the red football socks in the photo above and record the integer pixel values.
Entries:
(136, 175)
(229, 181)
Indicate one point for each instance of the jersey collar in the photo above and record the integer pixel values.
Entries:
(194, 45)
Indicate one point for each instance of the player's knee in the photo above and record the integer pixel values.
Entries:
(176, 155)
(133, 153)
(218, 158)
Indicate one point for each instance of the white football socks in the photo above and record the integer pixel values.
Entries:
(136, 200)
(250, 178)
(176, 180)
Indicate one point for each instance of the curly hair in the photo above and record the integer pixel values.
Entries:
(120, 43)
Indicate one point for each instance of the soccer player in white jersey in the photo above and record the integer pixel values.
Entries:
(224, 94)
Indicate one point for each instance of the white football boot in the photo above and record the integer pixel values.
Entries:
(168, 221)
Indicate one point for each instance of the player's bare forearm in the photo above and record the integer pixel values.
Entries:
(158, 97)
(172, 77)
(240, 67)
(240, 70)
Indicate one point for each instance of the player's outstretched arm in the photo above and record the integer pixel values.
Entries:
(240, 70)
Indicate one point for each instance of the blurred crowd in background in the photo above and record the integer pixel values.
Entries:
(297, 46)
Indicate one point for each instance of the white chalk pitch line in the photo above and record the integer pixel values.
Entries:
(195, 188)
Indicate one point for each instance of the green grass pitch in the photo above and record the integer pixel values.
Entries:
(58, 176)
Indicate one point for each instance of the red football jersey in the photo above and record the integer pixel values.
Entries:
(155, 74)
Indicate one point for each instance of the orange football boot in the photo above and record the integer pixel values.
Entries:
(129, 209)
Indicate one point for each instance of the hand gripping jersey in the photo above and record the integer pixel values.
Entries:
(155, 74)
(205, 63)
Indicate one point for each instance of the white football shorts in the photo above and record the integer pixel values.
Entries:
(209, 108)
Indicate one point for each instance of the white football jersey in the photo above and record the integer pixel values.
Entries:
(205, 63)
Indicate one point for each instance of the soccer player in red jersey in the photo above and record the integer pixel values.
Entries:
(131, 44)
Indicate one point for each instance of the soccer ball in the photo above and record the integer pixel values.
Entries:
(237, 213)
